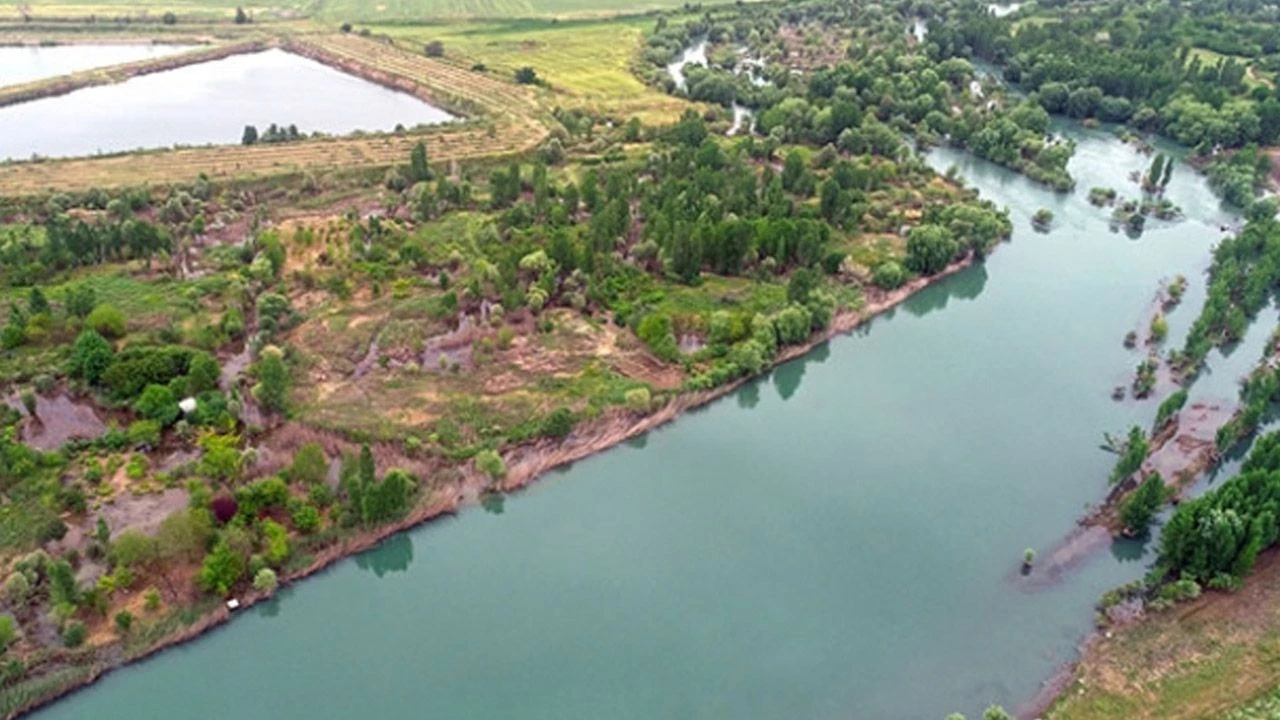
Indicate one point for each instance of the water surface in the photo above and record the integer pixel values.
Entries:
(838, 539)
(24, 64)
(207, 103)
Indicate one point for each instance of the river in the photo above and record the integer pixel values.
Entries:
(210, 102)
(837, 539)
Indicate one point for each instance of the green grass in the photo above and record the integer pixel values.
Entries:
(366, 11)
(587, 63)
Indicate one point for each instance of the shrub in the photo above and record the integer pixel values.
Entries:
(222, 569)
(75, 634)
(157, 403)
(558, 424)
(144, 432)
(889, 275)
(310, 466)
(8, 631)
(107, 320)
(490, 463)
(306, 518)
(16, 588)
(151, 600)
(265, 581)
(638, 399)
(224, 507)
(124, 621)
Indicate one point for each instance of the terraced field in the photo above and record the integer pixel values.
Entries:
(507, 124)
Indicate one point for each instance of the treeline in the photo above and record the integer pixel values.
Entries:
(885, 88)
(30, 253)
(1135, 64)
(1215, 539)
(273, 134)
(1242, 279)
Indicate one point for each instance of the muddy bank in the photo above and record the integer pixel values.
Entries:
(525, 464)
(64, 84)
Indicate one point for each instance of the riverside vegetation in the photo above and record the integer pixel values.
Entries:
(276, 369)
(284, 347)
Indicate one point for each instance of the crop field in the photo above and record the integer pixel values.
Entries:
(586, 63)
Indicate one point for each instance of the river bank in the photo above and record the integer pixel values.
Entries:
(526, 464)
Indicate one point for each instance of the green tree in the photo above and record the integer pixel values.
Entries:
(124, 621)
(272, 389)
(107, 320)
(930, 248)
(37, 303)
(265, 581)
(526, 75)
(157, 403)
(275, 542)
(249, 136)
(419, 170)
(91, 356)
(1139, 509)
(203, 373)
(222, 569)
(80, 300)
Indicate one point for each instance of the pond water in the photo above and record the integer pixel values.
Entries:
(838, 539)
(207, 103)
(24, 64)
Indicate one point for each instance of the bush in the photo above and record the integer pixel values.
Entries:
(75, 634)
(306, 518)
(8, 631)
(889, 275)
(17, 588)
(638, 399)
(224, 507)
(310, 466)
(157, 403)
(558, 424)
(144, 432)
(91, 357)
(265, 581)
(490, 463)
(107, 320)
(124, 621)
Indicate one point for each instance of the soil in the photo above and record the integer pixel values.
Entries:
(59, 418)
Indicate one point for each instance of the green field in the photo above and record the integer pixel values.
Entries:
(355, 11)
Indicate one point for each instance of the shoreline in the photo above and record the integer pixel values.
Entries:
(526, 464)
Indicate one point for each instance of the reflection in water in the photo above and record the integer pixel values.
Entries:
(965, 285)
(749, 395)
(395, 554)
(493, 503)
(639, 442)
(787, 378)
(1130, 549)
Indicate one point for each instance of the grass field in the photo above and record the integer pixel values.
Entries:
(1198, 661)
(334, 11)
(586, 63)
